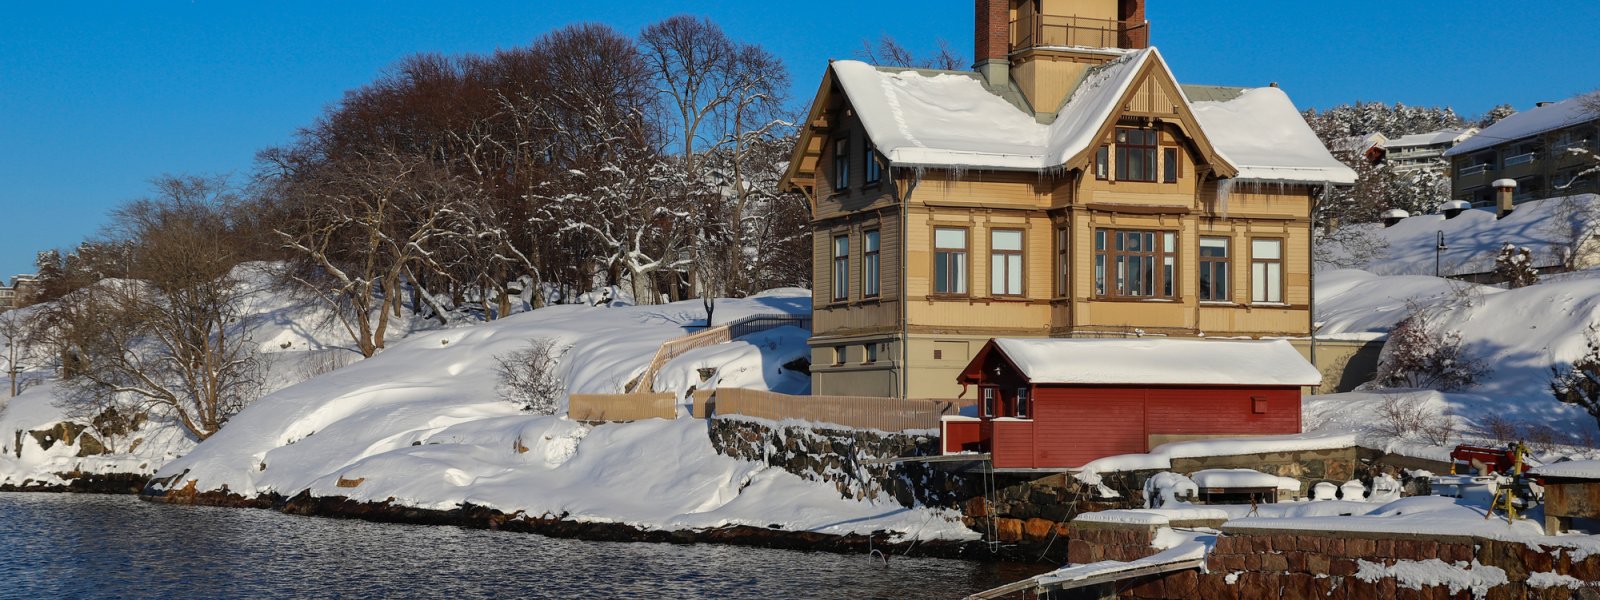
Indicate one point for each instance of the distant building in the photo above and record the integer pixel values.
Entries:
(16, 295)
(1534, 148)
(1413, 151)
(1368, 147)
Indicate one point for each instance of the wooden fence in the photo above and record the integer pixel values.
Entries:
(856, 412)
(710, 337)
(622, 407)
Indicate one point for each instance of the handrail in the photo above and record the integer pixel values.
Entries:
(1066, 30)
(711, 336)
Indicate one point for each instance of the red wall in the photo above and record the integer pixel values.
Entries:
(1073, 426)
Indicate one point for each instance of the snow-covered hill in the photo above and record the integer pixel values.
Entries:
(421, 423)
(1519, 334)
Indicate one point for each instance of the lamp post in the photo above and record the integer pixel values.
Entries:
(1438, 249)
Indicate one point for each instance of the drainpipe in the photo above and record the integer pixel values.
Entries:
(1311, 303)
(905, 299)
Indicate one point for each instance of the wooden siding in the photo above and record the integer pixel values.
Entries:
(1078, 426)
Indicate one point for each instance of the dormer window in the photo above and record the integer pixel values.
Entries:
(1136, 154)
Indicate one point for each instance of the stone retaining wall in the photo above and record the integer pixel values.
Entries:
(845, 458)
(1267, 564)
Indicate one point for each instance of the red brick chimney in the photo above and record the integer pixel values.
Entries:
(1135, 26)
(992, 41)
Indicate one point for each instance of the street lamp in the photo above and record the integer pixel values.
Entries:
(1438, 249)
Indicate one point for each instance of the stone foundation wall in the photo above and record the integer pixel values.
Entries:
(845, 458)
(1293, 565)
(1263, 564)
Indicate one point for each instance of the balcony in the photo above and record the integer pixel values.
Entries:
(1048, 31)
(1477, 169)
(1520, 159)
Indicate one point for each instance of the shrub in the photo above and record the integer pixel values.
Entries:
(530, 377)
(1419, 355)
(1408, 417)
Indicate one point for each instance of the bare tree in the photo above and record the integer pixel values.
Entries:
(170, 339)
(17, 336)
(888, 52)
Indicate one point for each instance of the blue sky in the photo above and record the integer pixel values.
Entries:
(96, 98)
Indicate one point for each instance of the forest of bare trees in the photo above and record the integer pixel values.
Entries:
(586, 165)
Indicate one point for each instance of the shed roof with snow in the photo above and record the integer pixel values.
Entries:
(951, 119)
(1151, 361)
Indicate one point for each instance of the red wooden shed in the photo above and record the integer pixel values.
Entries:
(1061, 403)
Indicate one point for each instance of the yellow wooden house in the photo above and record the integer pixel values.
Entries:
(1070, 186)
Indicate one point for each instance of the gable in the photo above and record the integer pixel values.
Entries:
(808, 148)
(1154, 94)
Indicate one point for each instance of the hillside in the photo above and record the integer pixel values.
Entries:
(422, 424)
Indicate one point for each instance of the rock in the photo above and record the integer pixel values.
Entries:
(1038, 530)
(1008, 530)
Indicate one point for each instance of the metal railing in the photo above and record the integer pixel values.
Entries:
(1520, 159)
(1070, 31)
(1474, 170)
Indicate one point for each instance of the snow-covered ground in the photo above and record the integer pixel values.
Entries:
(1519, 334)
(422, 424)
(1552, 230)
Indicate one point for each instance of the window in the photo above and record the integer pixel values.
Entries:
(841, 163)
(1102, 163)
(869, 265)
(841, 267)
(1005, 262)
(838, 355)
(871, 353)
(1135, 264)
(1063, 262)
(1214, 269)
(1022, 407)
(869, 156)
(1266, 271)
(949, 260)
(987, 406)
(1169, 165)
(1136, 154)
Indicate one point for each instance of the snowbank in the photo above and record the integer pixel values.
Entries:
(421, 424)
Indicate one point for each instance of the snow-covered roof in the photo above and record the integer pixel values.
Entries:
(1432, 138)
(953, 120)
(1551, 117)
(1263, 135)
(1575, 469)
(1551, 229)
(1159, 361)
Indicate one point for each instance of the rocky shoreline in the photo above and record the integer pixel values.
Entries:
(86, 483)
(557, 526)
